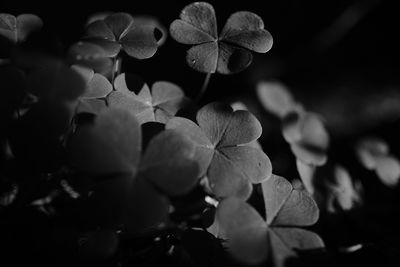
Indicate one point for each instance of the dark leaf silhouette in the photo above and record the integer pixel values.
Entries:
(220, 138)
(111, 145)
(226, 53)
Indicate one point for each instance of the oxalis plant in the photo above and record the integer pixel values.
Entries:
(100, 168)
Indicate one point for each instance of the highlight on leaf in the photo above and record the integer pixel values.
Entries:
(221, 137)
(251, 239)
(226, 53)
(160, 103)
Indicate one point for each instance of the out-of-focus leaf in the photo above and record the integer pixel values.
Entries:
(244, 229)
(92, 106)
(229, 164)
(227, 53)
(13, 85)
(97, 246)
(168, 163)
(97, 85)
(120, 31)
(374, 154)
(35, 136)
(160, 32)
(388, 170)
(307, 135)
(53, 79)
(252, 240)
(275, 98)
(17, 29)
(331, 186)
(158, 104)
(111, 145)
(146, 209)
(92, 56)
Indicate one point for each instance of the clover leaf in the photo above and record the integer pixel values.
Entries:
(220, 138)
(307, 136)
(276, 98)
(119, 31)
(158, 104)
(111, 147)
(303, 130)
(251, 239)
(167, 169)
(52, 78)
(331, 185)
(17, 29)
(226, 53)
(374, 154)
(91, 56)
(97, 85)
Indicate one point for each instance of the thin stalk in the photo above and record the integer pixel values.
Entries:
(116, 68)
(203, 88)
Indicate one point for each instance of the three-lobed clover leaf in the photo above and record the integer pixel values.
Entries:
(251, 239)
(17, 29)
(133, 187)
(220, 138)
(226, 53)
(120, 31)
(158, 104)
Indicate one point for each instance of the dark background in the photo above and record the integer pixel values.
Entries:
(339, 57)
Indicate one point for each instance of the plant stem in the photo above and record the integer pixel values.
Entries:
(203, 88)
(116, 68)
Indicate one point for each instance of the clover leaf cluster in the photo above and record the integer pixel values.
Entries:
(107, 161)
